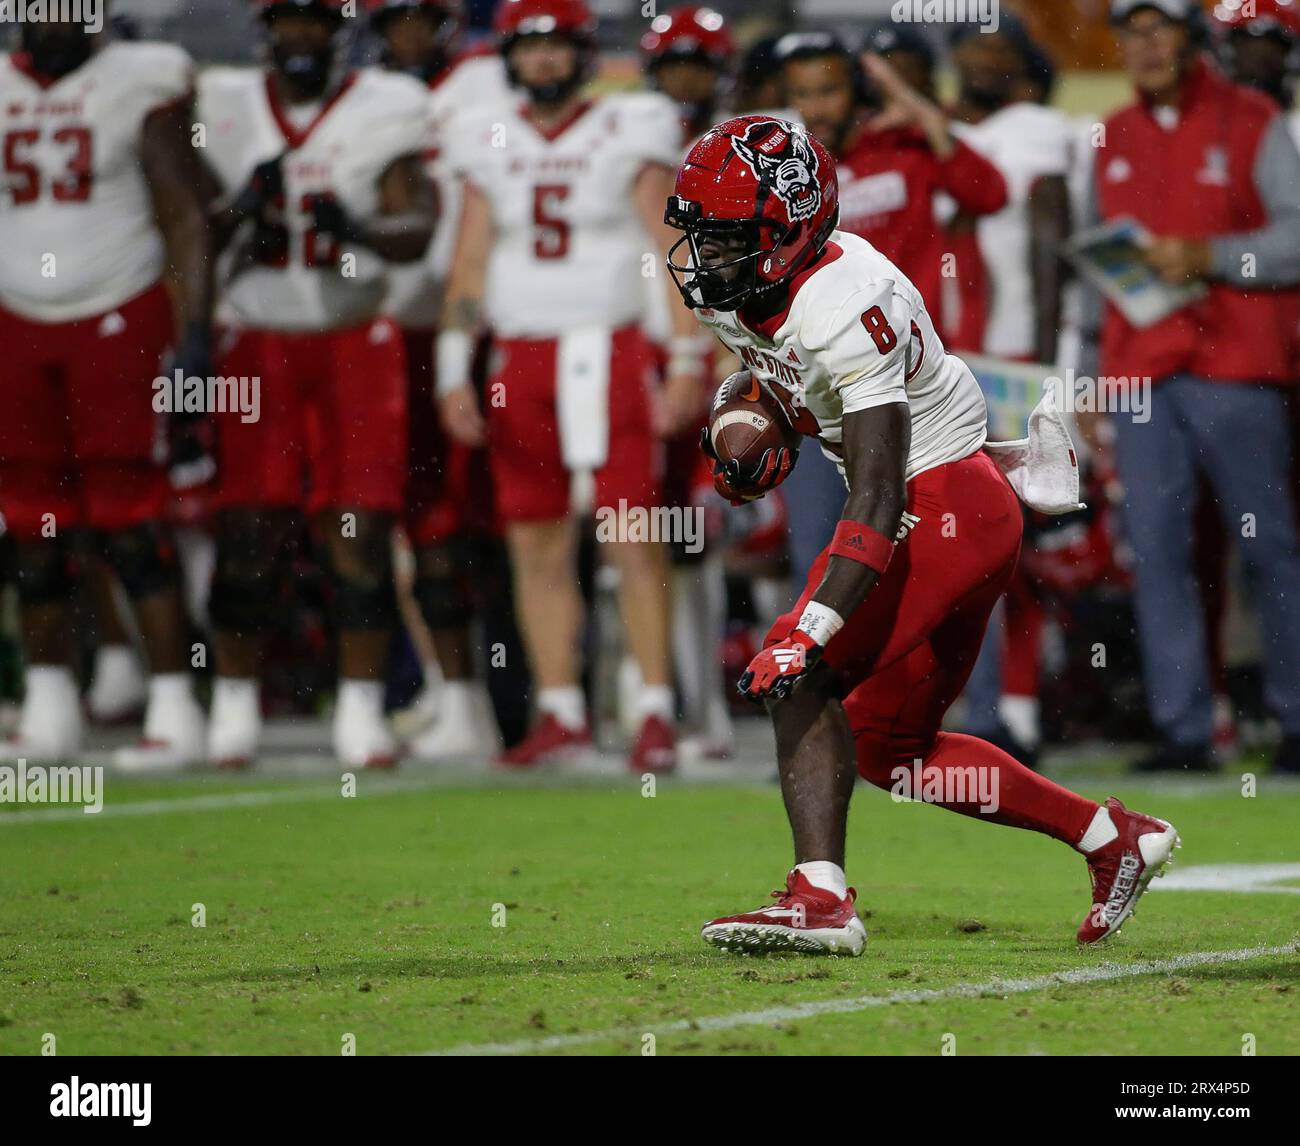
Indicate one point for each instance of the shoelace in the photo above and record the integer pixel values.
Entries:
(781, 895)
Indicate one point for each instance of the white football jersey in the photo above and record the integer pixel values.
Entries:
(570, 249)
(340, 148)
(77, 230)
(857, 336)
(471, 87)
(1024, 141)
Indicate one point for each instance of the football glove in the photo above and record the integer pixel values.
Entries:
(191, 453)
(330, 217)
(779, 667)
(264, 186)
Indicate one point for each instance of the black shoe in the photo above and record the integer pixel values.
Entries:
(1287, 758)
(1172, 757)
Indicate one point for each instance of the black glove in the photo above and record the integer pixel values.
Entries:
(330, 217)
(193, 355)
(191, 436)
(264, 186)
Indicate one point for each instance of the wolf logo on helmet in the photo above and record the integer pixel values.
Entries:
(785, 161)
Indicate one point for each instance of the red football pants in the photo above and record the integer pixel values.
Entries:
(905, 654)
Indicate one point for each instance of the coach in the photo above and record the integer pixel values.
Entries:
(1207, 167)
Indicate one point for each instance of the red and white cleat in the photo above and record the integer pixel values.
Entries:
(1121, 869)
(655, 748)
(804, 918)
(548, 741)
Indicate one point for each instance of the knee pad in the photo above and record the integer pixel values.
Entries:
(251, 560)
(364, 603)
(441, 599)
(42, 572)
(243, 608)
(360, 572)
(143, 558)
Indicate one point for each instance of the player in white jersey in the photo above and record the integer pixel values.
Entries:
(322, 186)
(98, 204)
(1031, 145)
(883, 637)
(448, 504)
(560, 227)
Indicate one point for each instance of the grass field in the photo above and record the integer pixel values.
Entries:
(373, 917)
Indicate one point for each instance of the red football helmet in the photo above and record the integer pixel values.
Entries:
(570, 19)
(544, 18)
(757, 181)
(693, 32)
(1259, 17)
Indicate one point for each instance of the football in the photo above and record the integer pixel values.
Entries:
(745, 421)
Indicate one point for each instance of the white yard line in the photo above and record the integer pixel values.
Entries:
(218, 802)
(995, 987)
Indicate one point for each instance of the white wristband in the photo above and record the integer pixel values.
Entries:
(690, 345)
(695, 367)
(820, 623)
(455, 351)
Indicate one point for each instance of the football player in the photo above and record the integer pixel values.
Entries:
(322, 177)
(1017, 249)
(1257, 43)
(99, 203)
(559, 226)
(448, 506)
(688, 55)
(1032, 146)
(881, 641)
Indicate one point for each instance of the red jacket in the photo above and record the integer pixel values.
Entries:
(887, 185)
(1196, 180)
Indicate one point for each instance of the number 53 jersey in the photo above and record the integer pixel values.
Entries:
(856, 335)
(570, 249)
(77, 231)
(339, 148)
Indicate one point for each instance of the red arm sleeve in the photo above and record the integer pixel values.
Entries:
(976, 185)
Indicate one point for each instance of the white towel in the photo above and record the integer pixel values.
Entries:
(582, 365)
(1043, 468)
